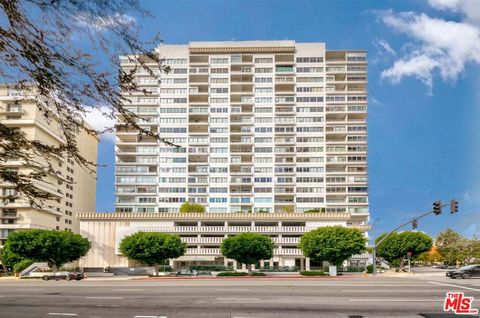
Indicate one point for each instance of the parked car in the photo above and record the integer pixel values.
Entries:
(64, 275)
(464, 272)
(184, 272)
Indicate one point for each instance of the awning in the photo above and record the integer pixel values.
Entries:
(196, 258)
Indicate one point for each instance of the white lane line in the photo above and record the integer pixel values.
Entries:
(102, 297)
(61, 314)
(237, 298)
(375, 300)
(456, 286)
(388, 290)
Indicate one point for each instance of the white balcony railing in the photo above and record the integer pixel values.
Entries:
(226, 229)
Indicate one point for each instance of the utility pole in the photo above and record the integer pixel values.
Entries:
(437, 210)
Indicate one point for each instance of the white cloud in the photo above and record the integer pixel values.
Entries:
(437, 45)
(384, 47)
(100, 24)
(470, 8)
(99, 120)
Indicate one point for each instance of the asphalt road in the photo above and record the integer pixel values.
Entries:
(420, 296)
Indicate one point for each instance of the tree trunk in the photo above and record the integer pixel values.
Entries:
(156, 269)
(249, 267)
(402, 263)
(54, 268)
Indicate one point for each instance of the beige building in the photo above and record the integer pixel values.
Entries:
(268, 132)
(204, 232)
(73, 187)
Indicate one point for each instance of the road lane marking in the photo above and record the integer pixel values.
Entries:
(29, 289)
(457, 286)
(61, 314)
(388, 290)
(126, 289)
(395, 300)
(102, 297)
(237, 298)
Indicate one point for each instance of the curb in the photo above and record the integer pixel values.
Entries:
(242, 277)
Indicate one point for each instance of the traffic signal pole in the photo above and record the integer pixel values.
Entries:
(437, 210)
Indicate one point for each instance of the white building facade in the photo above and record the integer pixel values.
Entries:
(272, 139)
(263, 126)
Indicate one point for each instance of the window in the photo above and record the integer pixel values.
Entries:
(173, 110)
(263, 100)
(263, 179)
(179, 71)
(263, 119)
(218, 80)
(309, 79)
(263, 79)
(263, 70)
(309, 69)
(218, 70)
(263, 60)
(309, 59)
(263, 90)
(217, 60)
(223, 90)
(310, 99)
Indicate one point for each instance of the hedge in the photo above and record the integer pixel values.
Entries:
(313, 273)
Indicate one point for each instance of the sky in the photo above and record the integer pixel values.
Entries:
(424, 101)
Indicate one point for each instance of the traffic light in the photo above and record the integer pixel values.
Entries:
(414, 224)
(437, 207)
(453, 206)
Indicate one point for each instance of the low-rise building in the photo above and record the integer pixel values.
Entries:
(204, 233)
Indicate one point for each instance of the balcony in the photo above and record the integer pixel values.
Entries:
(227, 229)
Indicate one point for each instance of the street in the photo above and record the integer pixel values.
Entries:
(381, 296)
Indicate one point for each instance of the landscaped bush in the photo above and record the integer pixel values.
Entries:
(20, 266)
(258, 274)
(232, 274)
(370, 269)
(313, 273)
(355, 269)
(280, 269)
(212, 268)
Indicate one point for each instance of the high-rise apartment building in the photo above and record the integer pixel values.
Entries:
(73, 188)
(263, 126)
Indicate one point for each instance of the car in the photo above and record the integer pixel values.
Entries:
(464, 272)
(184, 272)
(64, 275)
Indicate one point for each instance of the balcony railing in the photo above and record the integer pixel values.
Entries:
(227, 229)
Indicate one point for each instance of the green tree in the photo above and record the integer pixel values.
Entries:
(188, 207)
(8, 258)
(152, 248)
(333, 244)
(397, 245)
(452, 246)
(54, 247)
(41, 54)
(248, 248)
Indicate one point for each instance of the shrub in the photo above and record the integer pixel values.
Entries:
(232, 274)
(313, 273)
(258, 274)
(352, 269)
(212, 268)
(20, 266)
(370, 269)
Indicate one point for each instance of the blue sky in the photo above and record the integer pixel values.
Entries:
(424, 111)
